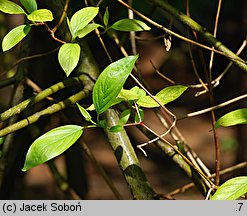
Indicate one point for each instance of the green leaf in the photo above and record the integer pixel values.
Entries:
(84, 113)
(15, 36)
(235, 117)
(148, 102)
(116, 128)
(81, 18)
(171, 93)
(110, 82)
(86, 30)
(231, 189)
(124, 117)
(133, 94)
(128, 95)
(91, 108)
(30, 5)
(41, 15)
(2, 140)
(106, 17)
(116, 101)
(51, 144)
(11, 7)
(165, 96)
(68, 57)
(130, 25)
(69, 25)
(138, 91)
(102, 123)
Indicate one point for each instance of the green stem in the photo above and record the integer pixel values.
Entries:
(7, 82)
(42, 95)
(128, 160)
(48, 111)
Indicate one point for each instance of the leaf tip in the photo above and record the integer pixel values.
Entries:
(24, 169)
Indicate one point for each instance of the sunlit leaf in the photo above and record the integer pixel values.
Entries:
(68, 57)
(84, 113)
(87, 29)
(231, 189)
(148, 102)
(110, 82)
(138, 91)
(91, 108)
(69, 25)
(130, 25)
(165, 96)
(51, 144)
(170, 93)
(15, 36)
(235, 117)
(81, 18)
(127, 95)
(11, 7)
(124, 117)
(41, 15)
(30, 5)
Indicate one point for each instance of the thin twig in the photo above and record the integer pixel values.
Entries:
(243, 45)
(175, 83)
(214, 34)
(191, 54)
(239, 62)
(173, 123)
(215, 132)
(62, 16)
(222, 172)
(28, 58)
(217, 145)
(150, 38)
(189, 152)
(36, 88)
(103, 45)
(132, 33)
(200, 112)
(99, 3)
(207, 180)
(216, 81)
(162, 75)
(52, 33)
(100, 169)
(7, 82)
